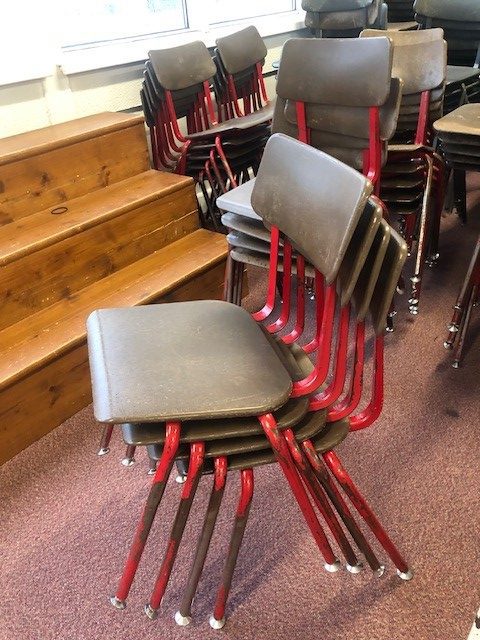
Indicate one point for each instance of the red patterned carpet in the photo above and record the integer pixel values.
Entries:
(67, 517)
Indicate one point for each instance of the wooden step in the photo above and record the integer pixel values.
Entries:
(46, 257)
(43, 365)
(44, 168)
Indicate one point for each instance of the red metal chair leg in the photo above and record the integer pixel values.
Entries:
(217, 620)
(341, 507)
(367, 514)
(197, 452)
(282, 453)
(183, 617)
(104, 448)
(321, 502)
(143, 528)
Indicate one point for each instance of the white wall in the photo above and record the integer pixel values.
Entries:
(57, 98)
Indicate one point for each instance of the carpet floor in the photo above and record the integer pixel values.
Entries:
(67, 517)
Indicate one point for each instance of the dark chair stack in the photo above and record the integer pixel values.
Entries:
(462, 87)
(400, 11)
(218, 145)
(209, 382)
(459, 137)
(460, 20)
(325, 99)
(413, 180)
(343, 18)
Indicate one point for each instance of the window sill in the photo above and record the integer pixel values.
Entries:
(112, 54)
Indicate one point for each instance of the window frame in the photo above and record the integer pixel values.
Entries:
(133, 50)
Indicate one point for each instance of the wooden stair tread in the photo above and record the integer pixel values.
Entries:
(32, 342)
(33, 143)
(43, 228)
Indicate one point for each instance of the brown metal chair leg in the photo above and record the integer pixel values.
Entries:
(463, 297)
(342, 509)
(183, 617)
(464, 328)
(197, 451)
(217, 619)
(129, 460)
(103, 449)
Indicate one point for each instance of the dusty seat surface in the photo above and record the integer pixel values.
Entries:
(202, 359)
(465, 120)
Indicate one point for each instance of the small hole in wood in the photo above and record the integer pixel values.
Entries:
(58, 210)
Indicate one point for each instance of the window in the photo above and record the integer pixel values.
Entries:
(228, 10)
(93, 21)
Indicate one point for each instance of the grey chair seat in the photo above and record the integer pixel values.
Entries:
(458, 10)
(330, 437)
(465, 120)
(259, 117)
(254, 228)
(238, 200)
(260, 259)
(180, 361)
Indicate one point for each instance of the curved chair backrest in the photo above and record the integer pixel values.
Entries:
(324, 6)
(348, 72)
(419, 57)
(241, 50)
(351, 121)
(313, 199)
(387, 281)
(455, 10)
(184, 66)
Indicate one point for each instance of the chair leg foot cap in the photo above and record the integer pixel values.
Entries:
(150, 612)
(216, 624)
(456, 364)
(448, 345)
(103, 451)
(333, 568)
(355, 568)
(128, 462)
(117, 603)
(180, 479)
(378, 573)
(182, 621)
(405, 575)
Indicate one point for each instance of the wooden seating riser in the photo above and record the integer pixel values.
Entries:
(129, 236)
(42, 181)
(40, 279)
(36, 404)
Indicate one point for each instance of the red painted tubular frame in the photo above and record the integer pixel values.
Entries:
(156, 493)
(197, 452)
(272, 278)
(299, 327)
(365, 510)
(282, 453)
(241, 517)
(346, 407)
(284, 317)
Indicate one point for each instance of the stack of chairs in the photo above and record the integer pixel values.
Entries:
(218, 145)
(400, 11)
(460, 20)
(217, 387)
(413, 180)
(462, 87)
(344, 18)
(459, 137)
(336, 95)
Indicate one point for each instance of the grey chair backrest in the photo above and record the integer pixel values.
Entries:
(241, 50)
(456, 10)
(348, 72)
(324, 6)
(419, 57)
(181, 67)
(351, 121)
(314, 200)
(387, 281)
